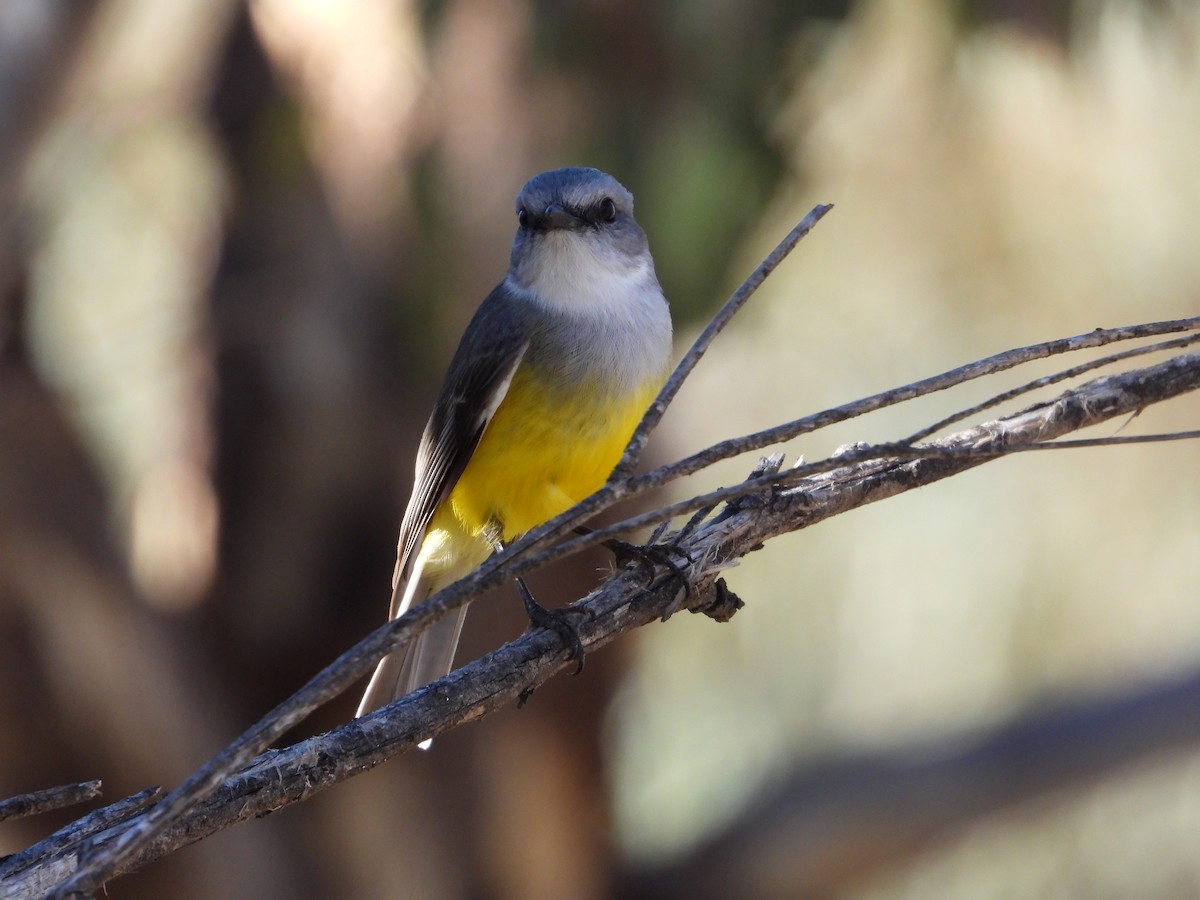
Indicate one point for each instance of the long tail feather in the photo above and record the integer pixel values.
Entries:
(430, 655)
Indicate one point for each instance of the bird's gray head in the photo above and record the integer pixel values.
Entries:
(576, 236)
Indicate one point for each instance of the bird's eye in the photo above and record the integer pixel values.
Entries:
(608, 210)
(522, 217)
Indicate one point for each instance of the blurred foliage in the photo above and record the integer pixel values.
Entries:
(239, 242)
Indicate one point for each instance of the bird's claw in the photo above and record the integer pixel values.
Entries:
(555, 620)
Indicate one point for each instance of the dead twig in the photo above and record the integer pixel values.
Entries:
(238, 783)
(770, 503)
(45, 800)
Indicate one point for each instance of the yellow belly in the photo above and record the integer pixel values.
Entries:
(543, 452)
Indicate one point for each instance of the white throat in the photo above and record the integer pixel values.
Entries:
(575, 275)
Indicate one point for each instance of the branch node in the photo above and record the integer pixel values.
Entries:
(767, 465)
(724, 603)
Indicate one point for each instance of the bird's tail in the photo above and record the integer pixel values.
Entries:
(431, 654)
(426, 659)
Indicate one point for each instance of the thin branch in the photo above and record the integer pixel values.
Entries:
(988, 366)
(36, 802)
(41, 863)
(97, 867)
(860, 455)
(1056, 378)
(1117, 441)
(700, 346)
(282, 777)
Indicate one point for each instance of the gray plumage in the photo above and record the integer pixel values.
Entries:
(580, 302)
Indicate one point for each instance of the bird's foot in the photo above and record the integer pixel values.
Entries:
(556, 620)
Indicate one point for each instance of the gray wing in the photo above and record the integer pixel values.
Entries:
(482, 369)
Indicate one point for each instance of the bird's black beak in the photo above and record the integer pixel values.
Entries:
(557, 216)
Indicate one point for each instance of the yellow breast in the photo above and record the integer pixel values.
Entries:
(544, 451)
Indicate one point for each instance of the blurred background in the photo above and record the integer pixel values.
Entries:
(238, 242)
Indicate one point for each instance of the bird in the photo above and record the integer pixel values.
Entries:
(549, 381)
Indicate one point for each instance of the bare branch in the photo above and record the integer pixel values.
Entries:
(769, 504)
(700, 346)
(35, 871)
(36, 802)
(1056, 378)
(989, 366)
